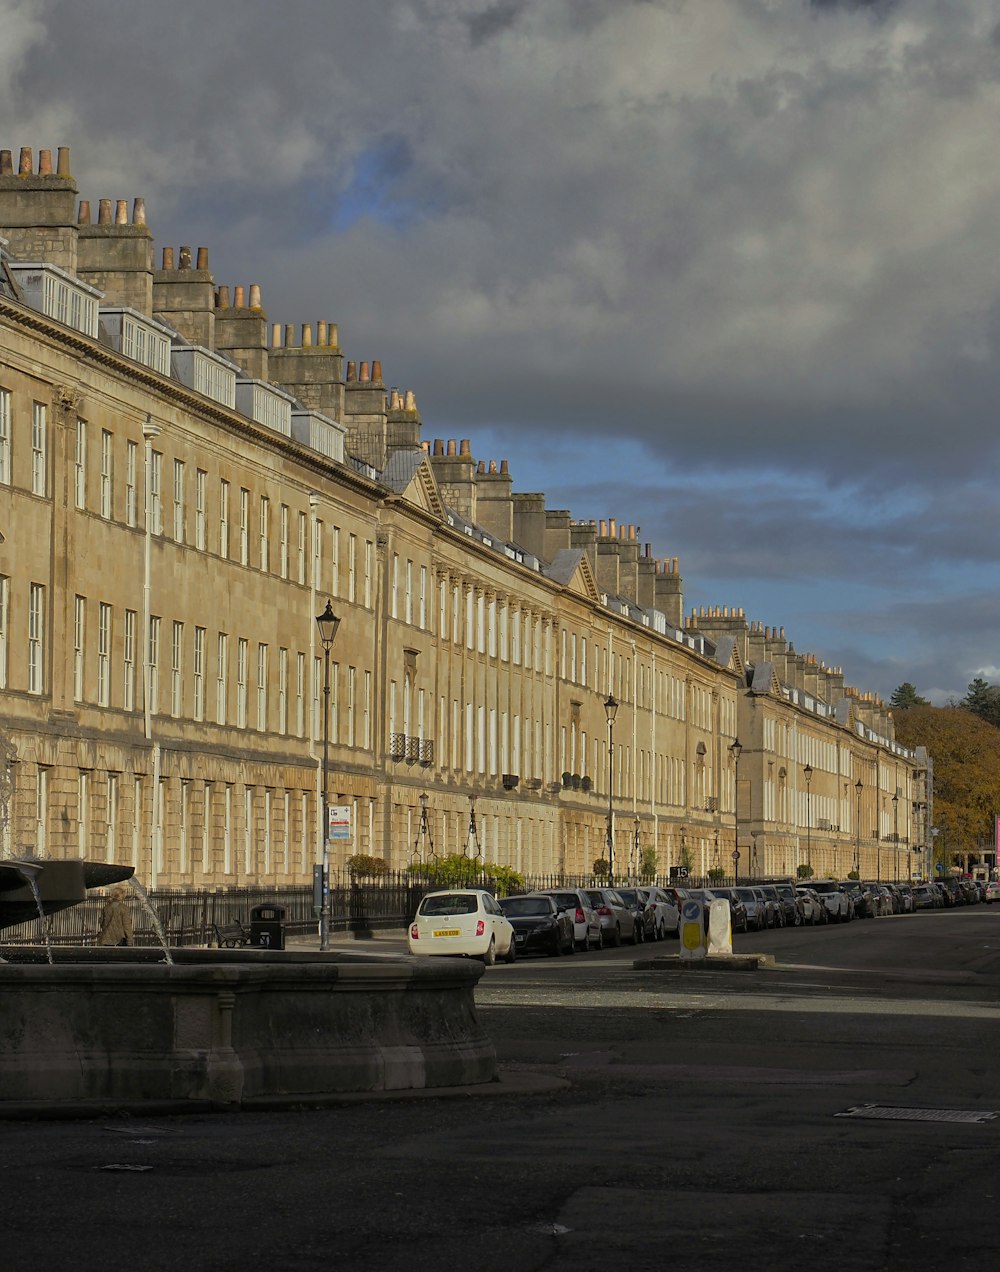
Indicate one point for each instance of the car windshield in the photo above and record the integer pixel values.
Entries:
(565, 900)
(525, 907)
(596, 898)
(450, 903)
(820, 886)
(746, 894)
(628, 895)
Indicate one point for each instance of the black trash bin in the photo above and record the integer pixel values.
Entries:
(267, 927)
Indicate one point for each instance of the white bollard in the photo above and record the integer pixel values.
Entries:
(720, 927)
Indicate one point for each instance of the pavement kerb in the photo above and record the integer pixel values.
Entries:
(710, 963)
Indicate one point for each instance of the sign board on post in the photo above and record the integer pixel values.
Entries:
(339, 824)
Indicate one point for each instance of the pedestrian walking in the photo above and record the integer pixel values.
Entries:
(116, 922)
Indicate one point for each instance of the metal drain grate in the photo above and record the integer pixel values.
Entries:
(891, 1113)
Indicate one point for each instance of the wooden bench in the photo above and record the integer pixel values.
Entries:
(230, 935)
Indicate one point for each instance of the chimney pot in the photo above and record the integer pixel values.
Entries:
(493, 465)
(121, 212)
(612, 529)
(377, 371)
(410, 402)
(184, 258)
(352, 372)
(364, 374)
(202, 258)
(481, 467)
(334, 336)
(239, 298)
(104, 212)
(275, 335)
(62, 161)
(24, 162)
(255, 295)
(45, 163)
(438, 446)
(138, 211)
(505, 470)
(289, 336)
(223, 301)
(168, 258)
(307, 335)
(83, 215)
(451, 446)
(6, 164)
(465, 447)
(322, 333)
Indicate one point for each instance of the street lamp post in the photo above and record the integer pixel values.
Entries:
(327, 622)
(473, 830)
(611, 710)
(736, 750)
(895, 831)
(635, 847)
(807, 773)
(423, 830)
(859, 786)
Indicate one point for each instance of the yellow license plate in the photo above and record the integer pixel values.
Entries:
(448, 932)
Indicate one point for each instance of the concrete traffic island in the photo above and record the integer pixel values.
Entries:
(709, 963)
(231, 1029)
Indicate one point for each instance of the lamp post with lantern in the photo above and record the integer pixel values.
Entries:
(736, 750)
(327, 622)
(611, 710)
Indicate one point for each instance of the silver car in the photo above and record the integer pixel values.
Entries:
(617, 920)
(587, 931)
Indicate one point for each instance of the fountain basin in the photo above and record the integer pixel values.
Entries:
(118, 1028)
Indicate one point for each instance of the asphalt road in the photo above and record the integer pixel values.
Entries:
(646, 1118)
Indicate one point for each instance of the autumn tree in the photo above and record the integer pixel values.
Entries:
(966, 753)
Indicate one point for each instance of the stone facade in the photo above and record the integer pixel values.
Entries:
(165, 556)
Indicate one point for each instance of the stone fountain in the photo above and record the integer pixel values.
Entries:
(104, 1028)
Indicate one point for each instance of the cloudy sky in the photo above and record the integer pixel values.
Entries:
(727, 269)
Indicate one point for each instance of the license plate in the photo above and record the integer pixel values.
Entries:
(520, 937)
(448, 932)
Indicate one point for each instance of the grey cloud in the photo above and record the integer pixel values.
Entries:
(747, 237)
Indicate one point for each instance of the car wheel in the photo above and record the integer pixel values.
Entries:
(600, 939)
(490, 957)
(511, 954)
(638, 934)
(571, 947)
(661, 932)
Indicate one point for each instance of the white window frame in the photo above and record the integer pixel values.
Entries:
(104, 654)
(79, 645)
(4, 437)
(131, 470)
(80, 464)
(107, 474)
(39, 449)
(128, 654)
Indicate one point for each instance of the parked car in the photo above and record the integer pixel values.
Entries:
(865, 906)
(755, 904)
(992, 892)
(836, 900)
(737, 910)
(776, 907)
(814, 911)
(927, 897)
(666, 910)
(617, 920)
(586, 922)
(539, 924)
(465, 921)
(644, 922)
(792, 904)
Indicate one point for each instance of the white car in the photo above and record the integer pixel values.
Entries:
(464, 921)
(992, 892)
(666, 914)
